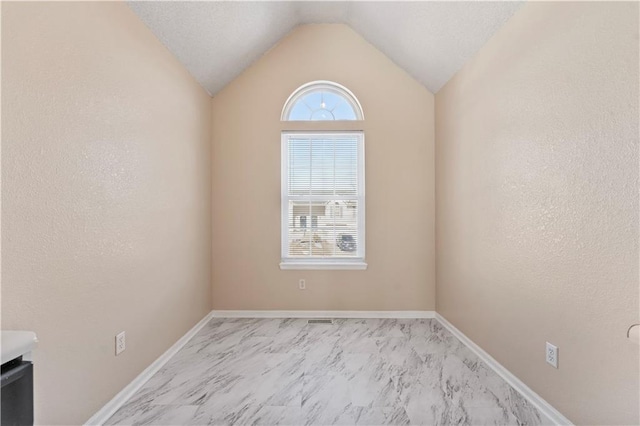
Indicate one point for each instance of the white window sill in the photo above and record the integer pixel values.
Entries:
(355, 265)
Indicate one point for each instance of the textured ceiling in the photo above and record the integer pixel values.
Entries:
(217, 40)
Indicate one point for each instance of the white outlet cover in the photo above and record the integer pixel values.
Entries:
(121, 343)
(302, 285)
(552, 355)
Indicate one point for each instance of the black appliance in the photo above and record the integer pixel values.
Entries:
(16, 393)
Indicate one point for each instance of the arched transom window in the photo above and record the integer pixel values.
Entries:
(322, 101)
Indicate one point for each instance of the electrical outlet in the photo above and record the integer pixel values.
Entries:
(121, 343)
(302, 285)
(552, 355)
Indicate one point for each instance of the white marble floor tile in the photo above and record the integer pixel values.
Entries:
(156, 415)
(352, 372)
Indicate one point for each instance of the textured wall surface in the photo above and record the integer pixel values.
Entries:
(537, 203)
(105, 198)
(399, 180)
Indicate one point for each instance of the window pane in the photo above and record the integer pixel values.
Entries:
(299, 152)
(322, 219)
(322, 104)
(330, 100)
(344, 111)
(299, 166)
(322, 173)
(331, 231)
(300, 112)
(313, 100)
(323, 166)
(322, 115)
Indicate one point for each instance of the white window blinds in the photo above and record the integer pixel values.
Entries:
(322, 198)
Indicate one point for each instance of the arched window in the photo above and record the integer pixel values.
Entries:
(323, 180)
(322, 101)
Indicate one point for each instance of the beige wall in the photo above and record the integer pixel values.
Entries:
(399, 180)
(105, 198)
(107, 204)
(537, 203)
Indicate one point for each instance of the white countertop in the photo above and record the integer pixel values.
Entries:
(16, 343)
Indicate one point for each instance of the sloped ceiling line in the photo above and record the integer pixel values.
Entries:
(217, 40)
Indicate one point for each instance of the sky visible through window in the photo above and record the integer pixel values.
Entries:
(322, 105)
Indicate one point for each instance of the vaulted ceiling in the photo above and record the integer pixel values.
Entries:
(217, 40)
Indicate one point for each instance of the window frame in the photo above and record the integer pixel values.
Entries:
(325, 85)
(337, 263)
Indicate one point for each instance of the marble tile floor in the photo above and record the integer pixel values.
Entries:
(352, 372)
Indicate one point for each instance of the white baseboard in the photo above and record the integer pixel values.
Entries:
(536, 400)
(121, 397)
(323, 314)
